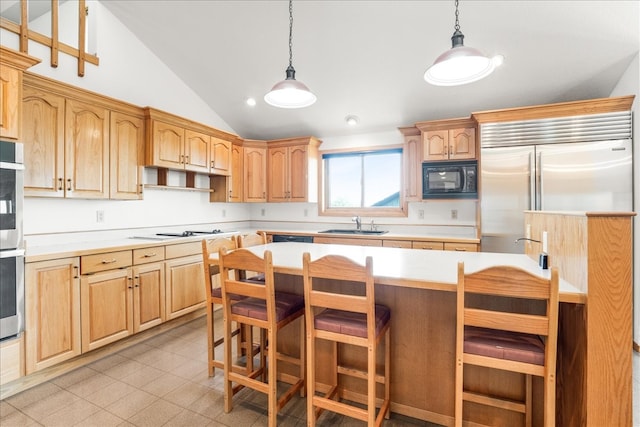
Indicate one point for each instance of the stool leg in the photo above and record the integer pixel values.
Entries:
(528, 400)
(371, 384)
(387, 370)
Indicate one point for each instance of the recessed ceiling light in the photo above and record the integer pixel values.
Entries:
(352, 120)
(498, 60)
(251, 102)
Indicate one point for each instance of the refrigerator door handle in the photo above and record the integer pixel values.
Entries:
(532, 181)
(540, 186)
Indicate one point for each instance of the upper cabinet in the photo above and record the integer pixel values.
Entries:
(292, 170)
(220, 156)
(12, 64)
(412, 161)
(78, 144)
(255, 171)
(448, 139)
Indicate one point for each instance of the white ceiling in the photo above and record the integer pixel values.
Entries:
(367, 58)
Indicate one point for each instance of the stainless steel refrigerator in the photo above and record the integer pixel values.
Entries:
(550, 175)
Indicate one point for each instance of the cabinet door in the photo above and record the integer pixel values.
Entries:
(278, 188)
(10, 87)
(462, 143)
(106, 300)
(298, 183)
(86, 151)
(185, 285)
(412, 159)
(52, 303)
(461, 247)
(236, 189)
(196, 151)
(43, 135)
(220, 157)
(148, 296)
(255, 174)
(126, 156)
(167, 145)
(436, 145)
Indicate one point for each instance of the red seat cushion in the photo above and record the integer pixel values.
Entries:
(286, 305)
(505, 345)
(257, 278)
(350, 323)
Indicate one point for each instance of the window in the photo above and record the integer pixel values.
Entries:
(363, 182)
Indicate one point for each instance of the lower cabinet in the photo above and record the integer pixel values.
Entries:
(148, 296)
(106, 307)
(52, 323)
(184, 285)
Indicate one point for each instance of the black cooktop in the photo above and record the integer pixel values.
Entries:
(190, 233)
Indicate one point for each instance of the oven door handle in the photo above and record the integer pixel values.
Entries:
(14, 166)
(13, 253)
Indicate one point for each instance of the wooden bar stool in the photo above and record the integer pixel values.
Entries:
(491, 334)
(345, 317)
(269, 310)
(248, 240)
(213, 291)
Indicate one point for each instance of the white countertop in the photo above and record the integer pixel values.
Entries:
(410, 267)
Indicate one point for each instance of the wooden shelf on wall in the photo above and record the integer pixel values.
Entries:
(190, 182)
(175, 187)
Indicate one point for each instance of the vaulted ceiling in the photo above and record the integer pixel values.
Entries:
(367, 58)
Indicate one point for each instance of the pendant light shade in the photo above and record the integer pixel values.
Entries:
(290, 93)
(459, 65)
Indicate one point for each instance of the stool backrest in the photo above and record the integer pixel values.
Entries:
(247, 240)
(356, 294)
(212, 246)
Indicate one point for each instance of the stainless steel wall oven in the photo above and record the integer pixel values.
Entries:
(11, 239)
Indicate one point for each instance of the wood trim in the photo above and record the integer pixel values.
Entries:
(163, 116)
(409, 131)
(82, 19)
(463, 122)
(636, 347)
(16, 59)
(24, 30)
(55, 42)
(562, 109)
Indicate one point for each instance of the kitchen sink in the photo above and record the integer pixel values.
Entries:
(353, 231)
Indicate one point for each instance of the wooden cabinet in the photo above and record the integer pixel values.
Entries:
(52, 306)
(12, 64)
(397, 244)
(460, 247)
(292, 170)
(86, 144)
(348, 241)
(196, 151)
(236, 190)
(220, 156)
(255, 171)
(126, 156)
(453, 139)
(148, 296)
(184, 278)
(78, 144)
(11, 359)
(412, 164)
(428, 245)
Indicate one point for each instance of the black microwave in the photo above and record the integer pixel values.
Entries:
(450, 180)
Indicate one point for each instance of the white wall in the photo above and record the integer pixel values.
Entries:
(629, 84)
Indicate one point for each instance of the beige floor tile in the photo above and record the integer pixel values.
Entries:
(6, 409)
(43, 408)
(109, 394)
(164, 384)
(90, 385)
(32, 395)
(186, 394)
(241, 416)
(156, 414)
(18, 419)
(192, 369)
(75, 376)
(211, 404)
(188, 418)
(71, 414)
(102, 418)
(135, 350)
(108, 362)
(131, 404)
(123, 369)
(142, 376)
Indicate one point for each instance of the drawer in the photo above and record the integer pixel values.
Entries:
(397, 243)
(183, 249)
(106, 261)
(146, 255)
(432, 246)
(461, 247)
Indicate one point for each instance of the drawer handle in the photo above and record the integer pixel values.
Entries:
(109, 261)
(150, 255)
(460, 249)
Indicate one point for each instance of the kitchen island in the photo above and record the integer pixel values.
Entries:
(419, 288)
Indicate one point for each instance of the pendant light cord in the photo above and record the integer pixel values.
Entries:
(456, 27)
(291, 32)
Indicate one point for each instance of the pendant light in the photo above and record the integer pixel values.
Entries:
(460, 64)
(290, 93)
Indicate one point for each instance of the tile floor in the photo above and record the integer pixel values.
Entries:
(163, 381)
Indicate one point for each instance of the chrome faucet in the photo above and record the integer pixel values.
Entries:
(526, 238)
(358, 222)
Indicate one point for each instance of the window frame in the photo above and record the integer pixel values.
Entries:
(324, 210)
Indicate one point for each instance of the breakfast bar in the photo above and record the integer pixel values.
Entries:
(419, 288)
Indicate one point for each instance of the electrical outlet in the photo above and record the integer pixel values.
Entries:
(454, 213)
(99, 216)
(224, 213)
(262, 212)
(421, 214)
